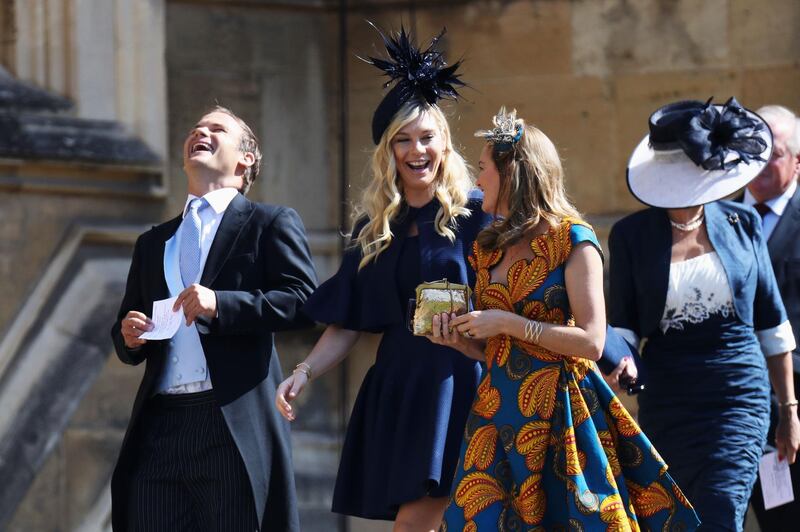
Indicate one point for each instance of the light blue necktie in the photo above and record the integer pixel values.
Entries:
(190, 242)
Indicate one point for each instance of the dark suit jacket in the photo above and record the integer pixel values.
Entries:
(640, 248)
(260, 267)
(784, 252)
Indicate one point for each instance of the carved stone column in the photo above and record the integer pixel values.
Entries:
(107, 56)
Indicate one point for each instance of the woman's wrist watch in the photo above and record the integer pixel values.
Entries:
(788, 404)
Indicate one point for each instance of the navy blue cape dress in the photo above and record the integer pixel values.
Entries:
(408, 420)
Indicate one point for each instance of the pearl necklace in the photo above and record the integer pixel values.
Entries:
(688, 226)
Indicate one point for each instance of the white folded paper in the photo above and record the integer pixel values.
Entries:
(776, 480)
(165, 322)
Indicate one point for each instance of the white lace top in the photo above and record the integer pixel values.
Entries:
(698, 289)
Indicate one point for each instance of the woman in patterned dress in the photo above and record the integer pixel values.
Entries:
(547, 446)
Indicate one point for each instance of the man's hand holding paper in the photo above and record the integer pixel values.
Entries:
(133, 326)
(165, 321)
(196, 300)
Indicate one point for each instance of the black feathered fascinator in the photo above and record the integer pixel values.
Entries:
(697, 153)
(417, 74)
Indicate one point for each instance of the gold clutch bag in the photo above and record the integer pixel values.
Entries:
(435, 298)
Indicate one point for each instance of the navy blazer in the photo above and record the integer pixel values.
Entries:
(640, 247)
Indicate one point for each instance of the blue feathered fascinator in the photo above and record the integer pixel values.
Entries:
(417, 74)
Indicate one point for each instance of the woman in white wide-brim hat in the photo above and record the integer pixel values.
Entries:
(692, 276)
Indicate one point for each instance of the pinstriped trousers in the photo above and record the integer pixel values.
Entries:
(188, 475)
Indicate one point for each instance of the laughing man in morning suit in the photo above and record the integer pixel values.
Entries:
(205, 449)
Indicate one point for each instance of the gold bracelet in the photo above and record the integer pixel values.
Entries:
(793, 402)
(305, 368)
(529, 331)
(533, 330)
(539, 329)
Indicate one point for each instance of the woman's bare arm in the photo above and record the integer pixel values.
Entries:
(332, 347)
(584, 280)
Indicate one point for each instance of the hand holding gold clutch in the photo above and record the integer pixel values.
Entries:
(435, 298)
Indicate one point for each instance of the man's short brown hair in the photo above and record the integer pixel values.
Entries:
(249, 143)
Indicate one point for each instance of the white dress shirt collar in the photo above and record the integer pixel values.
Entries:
(218, 199)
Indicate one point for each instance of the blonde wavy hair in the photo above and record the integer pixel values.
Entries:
(532, 182)
(382, 200)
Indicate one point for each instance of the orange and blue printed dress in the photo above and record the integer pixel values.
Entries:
(548, 446)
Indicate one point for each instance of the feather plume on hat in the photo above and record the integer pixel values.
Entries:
(417, 74)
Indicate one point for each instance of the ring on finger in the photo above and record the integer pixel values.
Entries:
(468, 334)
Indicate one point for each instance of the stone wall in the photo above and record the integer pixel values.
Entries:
(587, 72)
(105, 55)
(69, 213)
(590, 72)
(71, 491)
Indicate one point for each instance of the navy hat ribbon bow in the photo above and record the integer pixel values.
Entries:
(707, 134)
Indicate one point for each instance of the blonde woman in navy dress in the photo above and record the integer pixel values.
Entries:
(416, 222)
